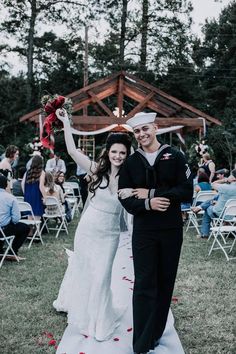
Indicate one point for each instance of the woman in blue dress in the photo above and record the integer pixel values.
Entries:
(33, 186)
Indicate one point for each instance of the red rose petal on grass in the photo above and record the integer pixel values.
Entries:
(52, 342)
(48, 334)
(129, 329)
(116, 339)
(175, 299)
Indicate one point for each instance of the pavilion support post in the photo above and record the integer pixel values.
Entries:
(85, 108)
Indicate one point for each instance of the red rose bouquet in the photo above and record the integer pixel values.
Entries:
(52, 123)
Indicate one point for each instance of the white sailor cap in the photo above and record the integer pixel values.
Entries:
(141, 118)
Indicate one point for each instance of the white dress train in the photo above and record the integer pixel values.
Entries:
(97, 294)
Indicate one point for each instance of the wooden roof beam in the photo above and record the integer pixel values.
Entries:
(120, 97)
(161, 122)
(110, 91)
(138, 97)
(101, 104)
(140, 106)
(94, 85)
(173, 99)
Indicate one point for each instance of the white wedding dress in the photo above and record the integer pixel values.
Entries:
(97, 295)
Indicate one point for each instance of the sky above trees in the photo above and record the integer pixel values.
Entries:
(202, 10)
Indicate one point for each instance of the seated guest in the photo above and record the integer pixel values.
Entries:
(55, 164)
(202, 182)
(9, 218)
(208, 166)
(33, 186)
(59, 180)
(11, 155)
(16, 185)
(51, 189)
(221, 174)
(28, 165)
(226, 189)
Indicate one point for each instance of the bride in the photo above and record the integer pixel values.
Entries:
(85, 293)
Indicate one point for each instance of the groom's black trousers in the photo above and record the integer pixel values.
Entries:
(156, 257)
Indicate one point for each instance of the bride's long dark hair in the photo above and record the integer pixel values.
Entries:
(103, 162)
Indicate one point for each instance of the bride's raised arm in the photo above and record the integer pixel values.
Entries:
(82, 160)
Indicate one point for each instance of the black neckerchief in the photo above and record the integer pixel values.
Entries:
(150, 170)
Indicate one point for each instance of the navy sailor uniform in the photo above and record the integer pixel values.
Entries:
(157, 237)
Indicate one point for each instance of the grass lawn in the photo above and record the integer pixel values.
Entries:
(204, 312)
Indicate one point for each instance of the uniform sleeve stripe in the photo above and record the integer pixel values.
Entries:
(147, 207)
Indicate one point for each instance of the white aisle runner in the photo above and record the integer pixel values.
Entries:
(121, 342)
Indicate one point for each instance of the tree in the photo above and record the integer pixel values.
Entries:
(216, 60)
(12, 103)
(22, 24)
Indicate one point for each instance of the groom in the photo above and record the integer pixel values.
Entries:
(160, 178)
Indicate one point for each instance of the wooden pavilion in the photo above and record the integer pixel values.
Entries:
(116, 98)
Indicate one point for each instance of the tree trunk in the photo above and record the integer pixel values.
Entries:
(123, 32)
(144, 36)
(30, 52)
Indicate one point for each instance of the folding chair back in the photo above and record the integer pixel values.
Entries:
(203, 196)
(74, 186)
(73, 196)
(54, 211)
(9, 250)
(19, 198)
(220, 231)
(194, 219)
(27, 209)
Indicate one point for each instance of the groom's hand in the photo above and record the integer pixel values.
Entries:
(160, 203)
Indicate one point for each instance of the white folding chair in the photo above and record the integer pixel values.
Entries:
(54, 211)
(215, 221)
(193, 219)
(8, 242)
(26, 208)
(73, 197)
(226, 225)
(20, 199)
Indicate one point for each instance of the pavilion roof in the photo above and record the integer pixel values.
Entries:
(131, 94)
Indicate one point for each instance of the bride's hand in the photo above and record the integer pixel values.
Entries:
(62, 115)
(125, 193)
(141, 193)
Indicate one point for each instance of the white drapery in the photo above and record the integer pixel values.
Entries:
(127, 127)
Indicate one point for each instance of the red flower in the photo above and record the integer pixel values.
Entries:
(175, 299)
(129, 329)
(52, 342)
(51, 120)
(49, 335)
